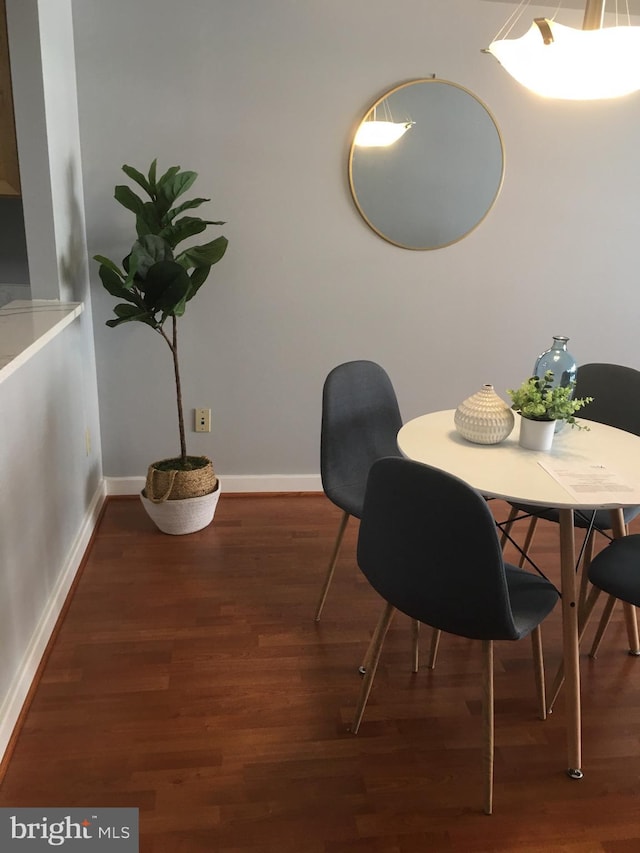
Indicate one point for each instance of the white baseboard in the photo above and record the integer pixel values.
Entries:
(19, 688)
(231, 483)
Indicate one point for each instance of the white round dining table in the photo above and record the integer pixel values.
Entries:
(517, 475)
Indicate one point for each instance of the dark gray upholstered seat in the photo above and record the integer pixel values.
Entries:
(428, 544)
(616, 569)
(360, 422)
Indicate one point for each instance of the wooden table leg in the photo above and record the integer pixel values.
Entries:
(620, 529)
(570, 642)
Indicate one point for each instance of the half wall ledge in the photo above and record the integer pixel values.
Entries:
(26, 326)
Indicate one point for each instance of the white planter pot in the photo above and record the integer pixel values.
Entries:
(182, 516)
(536, 435)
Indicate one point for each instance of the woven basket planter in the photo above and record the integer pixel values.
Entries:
(175, 484)
(182, 516)
(179, 501)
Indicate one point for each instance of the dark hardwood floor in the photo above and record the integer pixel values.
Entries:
(189, 679)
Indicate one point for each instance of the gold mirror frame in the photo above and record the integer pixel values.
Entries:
(437, 183)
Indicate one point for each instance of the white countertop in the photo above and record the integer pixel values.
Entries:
(27, 325)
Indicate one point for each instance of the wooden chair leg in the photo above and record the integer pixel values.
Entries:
(433, 650)
(372, 664)
(602, 627)
(332, 565)
(630, 621)
(487, 723)
(583, 618)
(528, 539)
(538, 666)
(415, 649)
(621, 529)
(415, 642)
(366, 660)
(632, 628)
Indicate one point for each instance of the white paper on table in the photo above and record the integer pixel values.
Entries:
(592, 483)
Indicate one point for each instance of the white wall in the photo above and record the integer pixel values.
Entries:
(51, 483)
(50, 494)
(261, 99)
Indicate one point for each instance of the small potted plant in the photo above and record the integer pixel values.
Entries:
(154, 284)
(541, 404)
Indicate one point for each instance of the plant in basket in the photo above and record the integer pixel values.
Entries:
(154, 283)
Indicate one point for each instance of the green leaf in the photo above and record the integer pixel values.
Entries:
(128, 313)
(148, 220)
(152, 175)
(128, 310)
(147, 251)
(188, 226)
(188, 205)
(113, 284)
(127, 198)
(131, 265)
(171, 171)
(205, 255)
(198, 278)
(105, 262)
(169, 188)
(179, 308)
(166, 288)
(138, 177)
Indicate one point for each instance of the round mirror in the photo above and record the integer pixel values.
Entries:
(440, 174)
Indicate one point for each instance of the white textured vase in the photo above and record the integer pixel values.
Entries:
(484, 418)
(536, 435)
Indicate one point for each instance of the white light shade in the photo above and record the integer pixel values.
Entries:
(378, 134)
(577, 64)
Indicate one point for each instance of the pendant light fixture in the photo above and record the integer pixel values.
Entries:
(556, 61)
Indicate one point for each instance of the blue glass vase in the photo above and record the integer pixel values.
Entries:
(560, 362)
(557, 359)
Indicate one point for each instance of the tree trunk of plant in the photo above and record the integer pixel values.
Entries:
(176, 370)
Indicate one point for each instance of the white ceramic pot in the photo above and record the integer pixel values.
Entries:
(536, 435)
(186, 515)
(484, 418)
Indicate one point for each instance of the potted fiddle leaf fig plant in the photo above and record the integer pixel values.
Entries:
(154, 284)
(541, 403)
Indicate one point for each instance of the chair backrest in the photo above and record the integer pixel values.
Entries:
(428, 544)
(616, 395)
(360, 422)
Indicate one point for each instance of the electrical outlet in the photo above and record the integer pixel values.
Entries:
(203, 420)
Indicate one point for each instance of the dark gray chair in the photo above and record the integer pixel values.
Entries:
(415, 554)
(360, 422)
(616, 571)
(616, 402)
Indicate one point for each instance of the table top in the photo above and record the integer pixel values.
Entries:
(508, 471)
